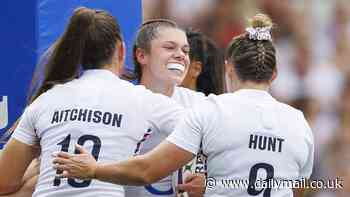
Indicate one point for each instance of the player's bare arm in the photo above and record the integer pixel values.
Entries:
(11, 180)
(140, 170)
(26, 190)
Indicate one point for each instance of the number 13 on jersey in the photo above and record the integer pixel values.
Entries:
(81, 141)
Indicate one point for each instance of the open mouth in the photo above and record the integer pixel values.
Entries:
(179, 68)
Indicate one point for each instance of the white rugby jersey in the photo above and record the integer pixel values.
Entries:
(105, 114)
(164, 187)
(248, 135)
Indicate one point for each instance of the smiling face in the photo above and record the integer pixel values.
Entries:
(167, 60)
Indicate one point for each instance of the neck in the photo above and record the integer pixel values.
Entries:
(114, 68)
(253, 85)
(157, 87)
(190, 84)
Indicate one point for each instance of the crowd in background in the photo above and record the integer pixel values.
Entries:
(312, 38)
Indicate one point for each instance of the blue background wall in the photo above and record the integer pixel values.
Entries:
(30, 28)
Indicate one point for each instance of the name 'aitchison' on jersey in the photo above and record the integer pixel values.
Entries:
(105, 114)
(248, 136)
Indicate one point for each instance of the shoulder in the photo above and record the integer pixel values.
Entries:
(227, 97)
(292, 114)
(188, 92)
(154, 101)
(206, 108)
(289, 109)
(187, 97)
(297, 119)
(45, 99)
(148, 94)
(225, 100)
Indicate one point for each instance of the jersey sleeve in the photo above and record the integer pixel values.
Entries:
(306, 170)
(25, 131)
(191, 130)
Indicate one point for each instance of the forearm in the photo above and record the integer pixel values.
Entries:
(145, 169)
(32, 170)
(14, 160)
(26, 190)
(27, 185)
(9, 189)
(131, 172)
(6, 185)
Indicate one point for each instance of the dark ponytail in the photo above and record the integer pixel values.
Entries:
(89, 41)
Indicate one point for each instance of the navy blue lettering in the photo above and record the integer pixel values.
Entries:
(66, 114)
(253, 141)
(272, 144)
(280, 144)
(73, 115)
(265, 143)
(61, 116)
(82, 114)
(107, 118)
(55, 118)
(89, 116)
(97, 116)
(117, 119)
(262, 142)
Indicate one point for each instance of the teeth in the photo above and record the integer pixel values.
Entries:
(176, 66)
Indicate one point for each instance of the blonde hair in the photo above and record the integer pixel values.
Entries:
(260, 20)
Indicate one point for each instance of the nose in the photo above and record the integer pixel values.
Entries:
(180, 55)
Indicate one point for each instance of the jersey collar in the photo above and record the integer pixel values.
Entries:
(254, 93)
(99, 73)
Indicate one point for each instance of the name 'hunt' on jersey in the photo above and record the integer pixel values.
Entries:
(87, 115)
(268, 143)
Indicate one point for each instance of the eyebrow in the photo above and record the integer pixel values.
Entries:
(172, 42)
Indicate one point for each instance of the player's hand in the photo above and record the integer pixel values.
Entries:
(81, 166)
(194, 185)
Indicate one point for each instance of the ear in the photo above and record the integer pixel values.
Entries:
(274, 75)
(196, 68)
(141, 56)
(229, 69)
(229, 77)
(119, 57)
(121, 52)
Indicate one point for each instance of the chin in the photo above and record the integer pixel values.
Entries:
(177, 80)
(173, 78)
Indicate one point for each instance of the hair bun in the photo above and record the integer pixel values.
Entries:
(260, 20)
(260, 27)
